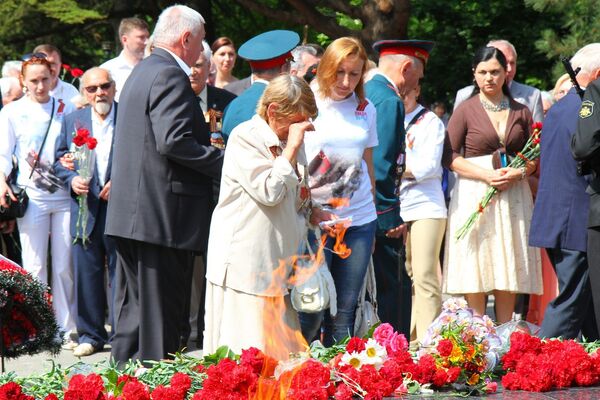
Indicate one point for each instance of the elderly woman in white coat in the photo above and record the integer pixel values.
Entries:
(258, 224)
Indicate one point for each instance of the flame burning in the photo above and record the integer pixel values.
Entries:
(338, 202)
(283, 336)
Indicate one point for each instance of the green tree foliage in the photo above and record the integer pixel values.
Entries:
(459, 27)
(579, 24)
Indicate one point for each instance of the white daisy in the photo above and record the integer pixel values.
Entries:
(354, 359)
(374, 353)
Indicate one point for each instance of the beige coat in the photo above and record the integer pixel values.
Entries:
(257, 222)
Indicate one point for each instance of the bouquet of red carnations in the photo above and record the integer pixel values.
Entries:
(84, 156)
(540, 365)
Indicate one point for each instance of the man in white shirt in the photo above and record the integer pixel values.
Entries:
(133, 33)
(89, 258)
(524, 94)
(61, 90)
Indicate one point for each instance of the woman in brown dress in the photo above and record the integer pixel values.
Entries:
(494, 257)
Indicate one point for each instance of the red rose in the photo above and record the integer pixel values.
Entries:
(76, 72)
(91, 143)
(355, 344)
(67, 67)
(537, 125)
(445, 347)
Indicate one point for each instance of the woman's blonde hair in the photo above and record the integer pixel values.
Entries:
(334, 55)
(293, 96)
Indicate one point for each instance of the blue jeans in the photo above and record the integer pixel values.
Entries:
(348, 275)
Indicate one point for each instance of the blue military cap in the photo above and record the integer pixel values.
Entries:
(270, 49)
(415, 48)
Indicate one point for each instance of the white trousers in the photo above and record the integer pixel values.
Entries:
(41, 219)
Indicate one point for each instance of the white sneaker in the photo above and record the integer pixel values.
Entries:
(84, 350)
(69, 344)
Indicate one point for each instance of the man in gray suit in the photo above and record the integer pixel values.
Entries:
(162, 172)
(524, 94)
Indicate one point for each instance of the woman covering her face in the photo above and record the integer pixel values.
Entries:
(494, 258)
(259, 223)
(341, 177)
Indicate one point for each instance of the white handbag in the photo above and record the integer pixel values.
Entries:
(313, 290)
(366, 309)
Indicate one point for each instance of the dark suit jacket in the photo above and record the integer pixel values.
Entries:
(163, 163)
(217, 98)
(238, 87)
(586, 145)
(561, 207)
(80, 119)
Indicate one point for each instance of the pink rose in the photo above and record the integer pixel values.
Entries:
(397, 343)
(383, 334)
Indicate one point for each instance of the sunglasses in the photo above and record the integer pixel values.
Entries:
(94, 88)
(30, 56)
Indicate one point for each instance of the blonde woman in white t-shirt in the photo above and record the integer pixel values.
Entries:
(26, 126)
(340, 155)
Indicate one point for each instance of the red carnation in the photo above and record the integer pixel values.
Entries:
(76, 72)
(343, 392)
(83, 132)
(79, 141)
(258, 361)
(181, 383)
(355, 344)
(135, 390)
(85, 387)
(445, 347)
(453, 374)
(91, 143)
(67, 67)
(440, 377)
(537, 125)
(13, 391)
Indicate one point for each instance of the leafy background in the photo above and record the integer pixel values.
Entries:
(541, 30)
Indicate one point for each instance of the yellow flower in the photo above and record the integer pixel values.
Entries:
(456, 355)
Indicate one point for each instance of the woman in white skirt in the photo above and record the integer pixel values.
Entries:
(258, 225)
(494, 257)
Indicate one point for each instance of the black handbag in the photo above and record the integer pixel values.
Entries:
(16, 209)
